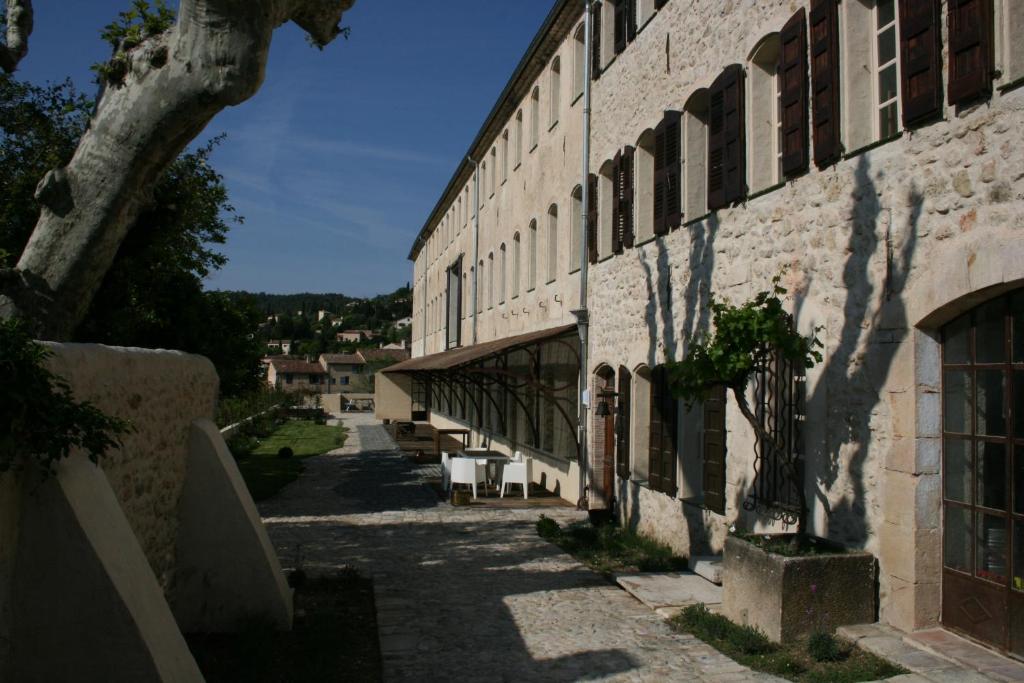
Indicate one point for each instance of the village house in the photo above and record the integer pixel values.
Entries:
(341, 369)
(296, 375)
(354, 336)
(868, 150)
(282, 346)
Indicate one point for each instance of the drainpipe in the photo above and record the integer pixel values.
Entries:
(582, 315)
(476, 238)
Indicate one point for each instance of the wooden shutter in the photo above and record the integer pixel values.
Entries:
(920, 65)
(825, 81)
(616, 208)
(970, 50)
(658, 4)
(667, 195)
(622, 425)
(662, 442)
(621, 20)
(726, 155)
(793, 90)
(592, 218)
(595, 42)
(626, 168)
(713, 483)
(630, 20)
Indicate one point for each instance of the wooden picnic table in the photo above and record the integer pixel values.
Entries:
(454, 431)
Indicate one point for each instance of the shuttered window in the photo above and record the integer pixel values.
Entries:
(726, 160)
(626, 191)
(668, 195)
(592, 218)
(622, 431)
(971, 50)
(713, 478)
(792, 74)
(920, 65)
(631, 20)
(663, 432)
(616, 195)
(825, 81)
(595, 41)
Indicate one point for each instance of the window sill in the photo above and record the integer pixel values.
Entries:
(870, 146)
(551, 281)
(531, 289)
(646, 240)
(533, 148)
(698, 219)
(516, 167)
(553, 126)
(606, 257)
(573, 271)
(1010, 85)
(767, 190)
(576, 99)
(504, 180)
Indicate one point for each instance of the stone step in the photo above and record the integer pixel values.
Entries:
(708, 566)
(661, 591)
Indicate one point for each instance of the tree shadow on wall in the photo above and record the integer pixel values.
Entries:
(850, 388)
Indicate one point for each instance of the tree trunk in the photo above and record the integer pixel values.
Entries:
(213, 57)
(19, 27)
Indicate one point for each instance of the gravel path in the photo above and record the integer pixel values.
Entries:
(466, 595)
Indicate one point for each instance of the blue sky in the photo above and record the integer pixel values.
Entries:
(339, 158)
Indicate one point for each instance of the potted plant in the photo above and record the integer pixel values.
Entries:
(788, 585)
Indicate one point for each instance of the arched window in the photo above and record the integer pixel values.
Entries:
(483, 182)
(501, 274)
(695, 155)
(480, 286)
(764, 116)
(605, 195)
(531, 281)
(552, 244)
(640, 418)
(519, 138)
(534, 117)
(871, 72)
(494, 170)
(579, 57)
(515, 265)
(465, 207)
(465, 295)
(575, 218)
(490, 280)
(504, 156)
(643, 190)
(1009, 47)
(556, 91)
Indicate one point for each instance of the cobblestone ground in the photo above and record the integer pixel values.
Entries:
(468, 595)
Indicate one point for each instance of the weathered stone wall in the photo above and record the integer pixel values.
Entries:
(160, 393)
(860, 242)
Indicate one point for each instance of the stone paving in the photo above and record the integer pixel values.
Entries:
(467, 595)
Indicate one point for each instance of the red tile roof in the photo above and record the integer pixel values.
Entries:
(298, 367)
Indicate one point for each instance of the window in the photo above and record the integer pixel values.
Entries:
(501, 274)
(490, 280)
(465, 206)
(531, 282)
(534, 118)
(640, 417)
(622, 419)
(554, 101)
(480, 284)
(575, 225)
(519, 138)
(483, 182)
(887, 68)
(667, 198)
(343, 381)
(515, 266)
(579, 57)
(644, 190)
(663, 428)
(604, 200)
(644, 12)
(494, 170)
(622, 200)
(552, 245)
(727, 178)
(764, 116)
(504, 156)
(1009, 46)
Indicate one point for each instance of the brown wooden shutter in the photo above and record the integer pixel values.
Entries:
(592, 218)
(621, 21)
(793, 89)
(622, 424)
(626, 200)
(970, 50)
(825, 82)
(658, 4)
(673, 169)
(920, 65)
(660, 199)
(656, 432)
(713, 484)
(630, 20)
(663, 429)
(595, 42)
(616, 208)
(726, 155)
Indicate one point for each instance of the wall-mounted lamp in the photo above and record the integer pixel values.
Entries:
(602, 409)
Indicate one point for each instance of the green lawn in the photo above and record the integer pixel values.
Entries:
(265, 473)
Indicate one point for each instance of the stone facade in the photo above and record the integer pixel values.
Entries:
(877, 250)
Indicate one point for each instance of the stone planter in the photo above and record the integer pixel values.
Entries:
(789, 597)
(461, 497)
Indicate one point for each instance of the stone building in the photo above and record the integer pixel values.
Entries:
(868, 150)
(296, 375)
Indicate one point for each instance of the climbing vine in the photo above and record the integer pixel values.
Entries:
(40, 421)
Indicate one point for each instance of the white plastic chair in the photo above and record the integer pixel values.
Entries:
(516, 472)
(467, 471)
(446, 470)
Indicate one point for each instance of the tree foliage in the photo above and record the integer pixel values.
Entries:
(40, 421)
(127, 32)
(152, 296)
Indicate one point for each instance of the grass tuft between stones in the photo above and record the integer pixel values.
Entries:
(609, 548)
(795, 661)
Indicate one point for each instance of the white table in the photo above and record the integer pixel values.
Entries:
(488, 456)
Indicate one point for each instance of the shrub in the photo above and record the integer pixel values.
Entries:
(548, 528)
(822, 646)
(717, 629)
(242, 445)
(285, 452)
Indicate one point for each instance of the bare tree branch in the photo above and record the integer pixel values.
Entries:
(19, 27)
(213, 57)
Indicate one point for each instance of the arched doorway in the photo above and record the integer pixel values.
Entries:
(604, 439)
(983, 472)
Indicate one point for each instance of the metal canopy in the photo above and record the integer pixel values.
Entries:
(446, 360)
